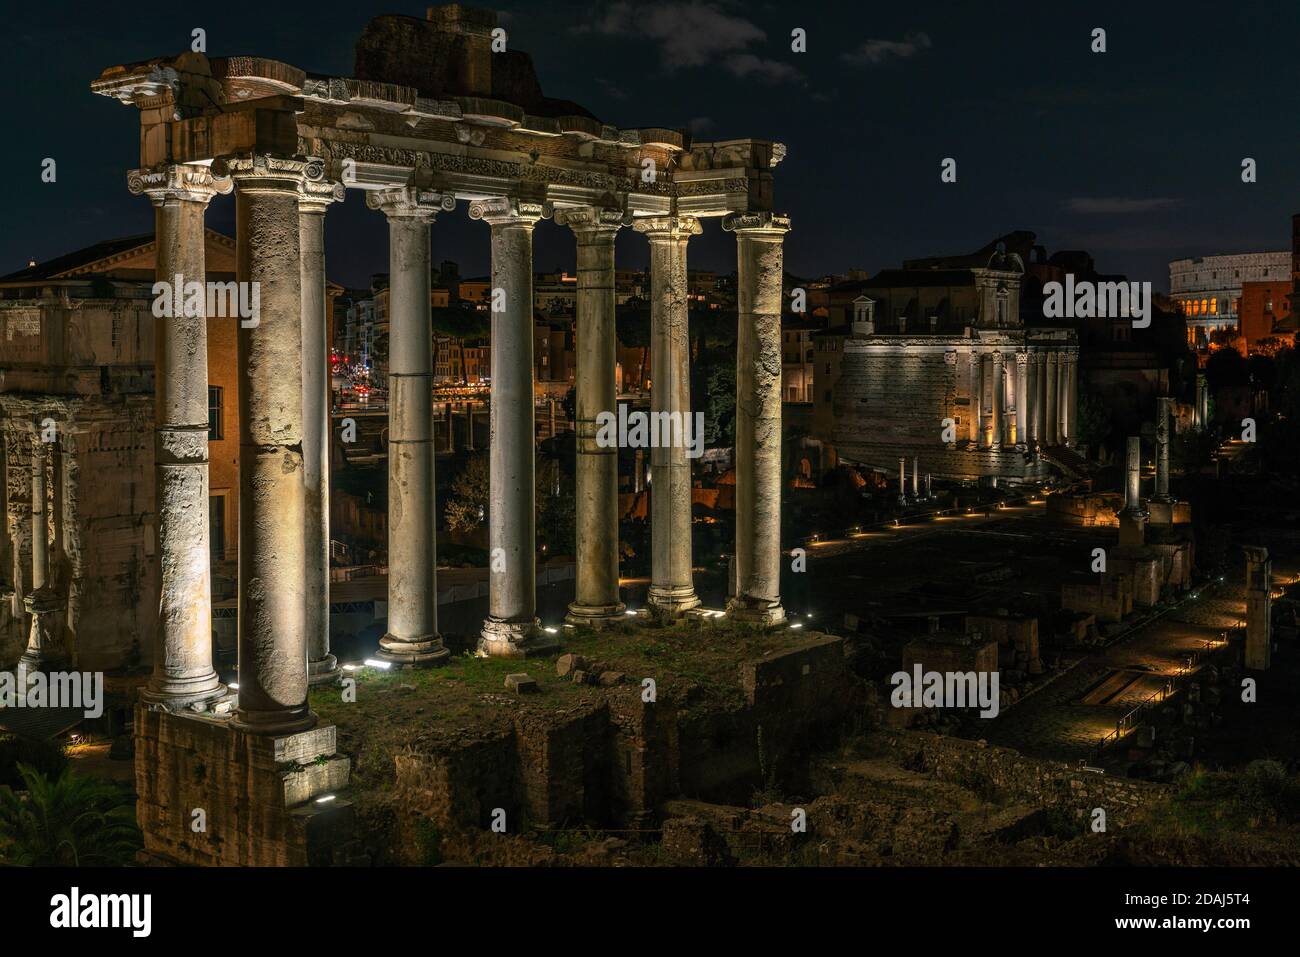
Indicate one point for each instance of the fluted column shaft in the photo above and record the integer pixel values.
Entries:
(759, 291)
(272, 506)
(1022, 398)
(1071, 397)
(1052, 415)
(183, 674)
(322, 667)
(511, 625)
(596, 479)
(672, 587)
(412, 635)
(976, 399)
(998, 397)
(1032, 404)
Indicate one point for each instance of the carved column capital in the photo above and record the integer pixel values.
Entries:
(1022, 358)
(950, 357)
(591, 223)
(769, 223)
(410, 202)
(508, 210)
(189, 182)
(316, 192)
(667, 228)
(262, 172)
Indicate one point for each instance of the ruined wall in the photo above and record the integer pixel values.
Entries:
(1049, 783)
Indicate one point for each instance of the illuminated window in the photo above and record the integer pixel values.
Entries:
(1214, 306)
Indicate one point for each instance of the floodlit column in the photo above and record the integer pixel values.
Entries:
(759, 291)
(412, 636)
(1022, 398)
(1259, 599)
(596, 479)
(999, 394)
(1064, 427)
(1051, 416)
(672, 588)
(1162, 449)
(902, 480)
(511, 627)
(40, 515)
(183, 675)
(1040, 398)
(44, 650)
(1071, 398)
(272, 496)
(916, 478)
(317, 195)
(976, 367)
(1133, 476)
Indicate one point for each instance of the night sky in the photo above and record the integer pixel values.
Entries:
(1134, 155)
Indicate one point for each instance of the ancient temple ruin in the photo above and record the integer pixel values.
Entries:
(437, 115)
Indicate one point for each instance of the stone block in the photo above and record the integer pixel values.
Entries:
(521, 683)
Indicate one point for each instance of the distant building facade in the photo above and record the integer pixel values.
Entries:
(1208, 289)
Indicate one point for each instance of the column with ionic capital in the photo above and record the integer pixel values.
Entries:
(183, 675)
(672, 584)
(272, 493)
(760, 270)
(596, 480)
(1031, 399)
(1071, 401)
(412, 636)
(317, 195)
(1022, 399)
(1051, 412)
(511, 628)
(997, 399)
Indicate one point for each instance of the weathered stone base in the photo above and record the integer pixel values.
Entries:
(1132, 528)
(668, 603)
(257, 793)
(515, 639)
(423, 652)
(594, 616)
(759, 614)
(1169, 513)
(323, 671)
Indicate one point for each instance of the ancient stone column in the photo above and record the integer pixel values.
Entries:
(1040, 399)
(44, 650)
(759, 292)
(1162, 450)
(317, 195)
(1202, 401)
(511, 628)
(1051, 414)
(183, 675)
(1022, 398)
(596, 590)
(672, 587)
(999, 394)
(902, 480)
(1031, 398)
(1259, 600)
(976, 367)
(916, 478)
(1133, 476)
(412, 636)
(469, 426)
(272, 498)
(1069, 360)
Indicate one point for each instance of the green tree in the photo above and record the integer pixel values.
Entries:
(70, 821)
(467, 507)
